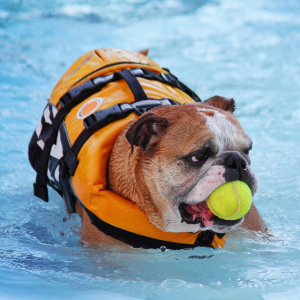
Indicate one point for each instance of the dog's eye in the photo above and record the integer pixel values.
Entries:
(199, 157)
(195, 158)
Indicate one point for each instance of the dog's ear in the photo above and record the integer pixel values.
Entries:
(144, 129)
(144, 52)
(221, 103)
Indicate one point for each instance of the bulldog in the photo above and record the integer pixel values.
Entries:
(168, 162)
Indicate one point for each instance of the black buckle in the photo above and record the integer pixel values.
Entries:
(102, 80)
(143, 106)
(104, 117)
(137, 72)
(170, 78)
(173, 102)
(205, 238)
(78, 93)
(116, 112)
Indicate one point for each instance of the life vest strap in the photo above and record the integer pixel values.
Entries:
(134, 85)
(102, 118)
(69, 100)
(95, 122)
(169, 79)
(79, 93)
(204, 239)
(59, 138)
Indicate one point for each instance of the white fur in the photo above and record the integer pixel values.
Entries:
(213, 178)
(206, 185)
(228, 138)
(172, 219)
(222, 128)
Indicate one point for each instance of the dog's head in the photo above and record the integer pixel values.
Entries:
(183, 154)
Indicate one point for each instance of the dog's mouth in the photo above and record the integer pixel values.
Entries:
(200, 214)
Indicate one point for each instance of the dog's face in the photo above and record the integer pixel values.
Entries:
(185, 153)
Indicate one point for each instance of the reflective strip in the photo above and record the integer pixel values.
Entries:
(56, 174)
(39, 128)
(47, 115)
(41, 144)
(57, 150)
(49, 175)
(54, 110)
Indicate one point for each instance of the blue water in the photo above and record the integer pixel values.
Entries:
(248, 50)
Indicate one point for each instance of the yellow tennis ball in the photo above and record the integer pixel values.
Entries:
(230, 201)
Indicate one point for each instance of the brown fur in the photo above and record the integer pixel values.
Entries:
(177, 140)
(222, 103)
(144, 52)
(143, 193)
(254, 221)
(173, 137)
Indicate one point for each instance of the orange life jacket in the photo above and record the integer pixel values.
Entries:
(87, 110)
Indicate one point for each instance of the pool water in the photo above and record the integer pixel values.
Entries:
(248, 50)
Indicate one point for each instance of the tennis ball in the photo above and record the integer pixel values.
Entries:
(230, 201)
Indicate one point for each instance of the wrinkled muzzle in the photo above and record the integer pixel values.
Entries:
(229, 166)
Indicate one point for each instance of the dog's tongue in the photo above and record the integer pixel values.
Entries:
(202, 211)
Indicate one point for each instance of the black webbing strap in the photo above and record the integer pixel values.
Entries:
(169, 79)
(204, 238)
(69, 100)
(79, 93)
(147, 74)
(134, 85)
(102, 118)
(40, 186)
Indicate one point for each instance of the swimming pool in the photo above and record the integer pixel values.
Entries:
(245, 50)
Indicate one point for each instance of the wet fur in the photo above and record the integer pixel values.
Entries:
(128, 165)
(127, 168)
(151, 166)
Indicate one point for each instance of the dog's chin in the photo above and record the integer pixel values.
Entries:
(200, 214)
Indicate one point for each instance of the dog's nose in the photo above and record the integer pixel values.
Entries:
(235, 161)
(237, 168)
